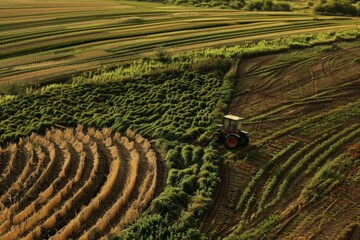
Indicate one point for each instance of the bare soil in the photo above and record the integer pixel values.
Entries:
(280, 91)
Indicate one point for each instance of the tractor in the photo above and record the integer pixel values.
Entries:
(230, 132)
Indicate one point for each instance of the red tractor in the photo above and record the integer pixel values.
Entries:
(231, 132)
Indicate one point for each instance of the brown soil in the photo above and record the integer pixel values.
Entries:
(284, 90)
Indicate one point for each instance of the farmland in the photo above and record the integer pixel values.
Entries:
(60, 41)
(303, 125)
(108, 110)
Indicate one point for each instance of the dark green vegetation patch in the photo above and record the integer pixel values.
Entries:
(175, 106)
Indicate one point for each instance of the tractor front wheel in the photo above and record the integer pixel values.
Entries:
(232, 141)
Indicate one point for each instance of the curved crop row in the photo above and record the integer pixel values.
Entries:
(77, 202)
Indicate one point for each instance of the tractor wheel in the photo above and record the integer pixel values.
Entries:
(244, 140)
(217, 137)
(232, 141)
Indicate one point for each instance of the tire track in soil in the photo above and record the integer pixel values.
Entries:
(259, 99)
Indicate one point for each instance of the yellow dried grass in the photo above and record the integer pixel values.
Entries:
(87, 139)
(46, 194)
(98, 134)
(79, 128)
(73, 226)
(146, 146)
(129, 145)
(19, 181)
(104, 221)
(35, 234)
(107, 132)
(13, 149)
(29, 147)
(57, 135)
(80, 136)
(78, 146)
(5, 226)
(68, 133)
(81, 167)
(94, 151)
(104, 191)
(66, 165)
(52, 152)
(49, 223)
(116, 136)
(20, 217)
(32, 136)
(91, 131)
(130, 133)
(108, 142)
(95, 203)
(139, 139)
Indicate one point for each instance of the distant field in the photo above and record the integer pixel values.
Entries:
(42, 41)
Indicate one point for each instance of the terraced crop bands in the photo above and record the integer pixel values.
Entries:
(67, 39)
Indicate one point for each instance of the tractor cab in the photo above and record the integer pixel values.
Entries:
(230, 131)
(231, 124)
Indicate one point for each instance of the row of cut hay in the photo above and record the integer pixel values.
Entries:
(28, 219)
(17, 185)
(50, 223)
(44, 196)
(16, 231)
(146, 192)
(59, 136)
(19, 217)
(31, 223)
(12, 148)
(146, 188)
(6, 214)
(42, 157)
(75, 224)
(103, 222)
(45, 211)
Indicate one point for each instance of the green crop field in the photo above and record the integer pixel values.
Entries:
(108, 110)
(43, 42)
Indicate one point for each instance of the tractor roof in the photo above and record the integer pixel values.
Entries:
(233, 117)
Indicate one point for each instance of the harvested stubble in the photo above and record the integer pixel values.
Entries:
(52, 204)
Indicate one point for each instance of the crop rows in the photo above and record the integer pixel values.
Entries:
(75, 183)
(174, 106)
(55, 46)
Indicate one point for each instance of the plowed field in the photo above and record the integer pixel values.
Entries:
(302, 110)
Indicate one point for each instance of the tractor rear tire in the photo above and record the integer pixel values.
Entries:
(232, 141)
(217, 137)
(244, 140)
